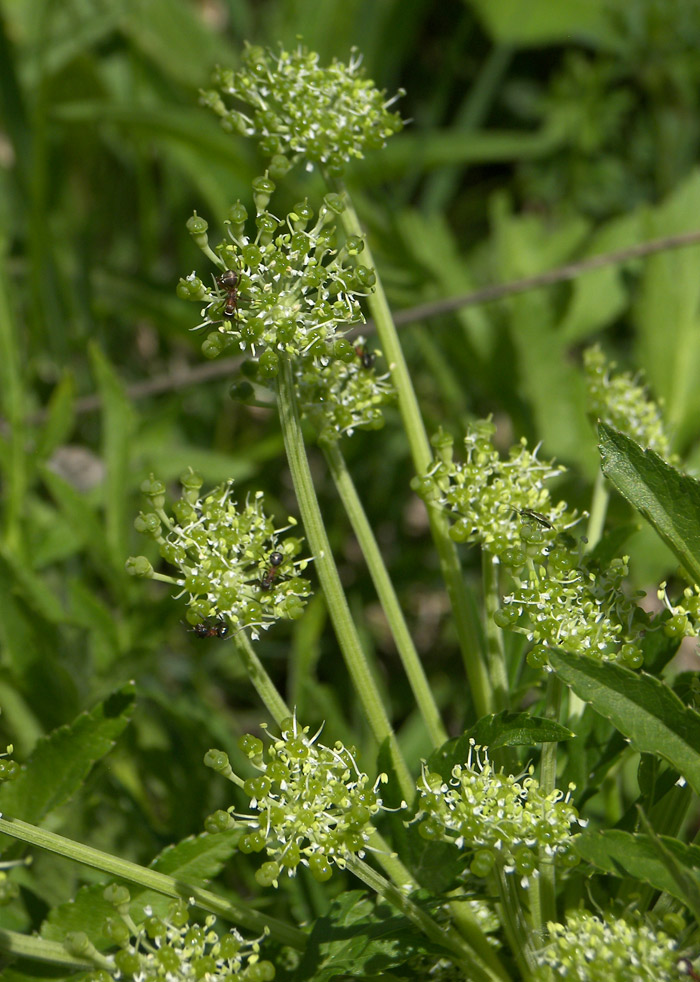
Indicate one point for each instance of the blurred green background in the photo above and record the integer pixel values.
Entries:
(540, 133)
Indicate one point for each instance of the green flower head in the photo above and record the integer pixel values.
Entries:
(171, 949)
(502, 820)
(623, 403)
(310, 804)
(345, 395)
(301, 110)
(587, 948)
(288, 288)
(233, 567)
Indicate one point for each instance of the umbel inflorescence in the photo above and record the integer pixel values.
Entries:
(501, 820)
(297, 108)
(310, 804)
(233, 566)
(286, 287)
(557, 594)
(170, 948)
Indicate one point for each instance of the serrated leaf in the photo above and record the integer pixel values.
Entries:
(636, 856)
(645, 710)
(359, 939)
(61, 761)
(504, 729)
(667, 499)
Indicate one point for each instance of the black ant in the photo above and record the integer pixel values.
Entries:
(228, 282)
(275, 560)
(211, 627)
(365, 355)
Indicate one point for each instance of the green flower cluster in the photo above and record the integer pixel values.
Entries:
(310, 804)
(505, 821)
(233, 567)
(300, 109)
(489, 496)
(170, 949)
(291, 288)
(587, 948)
(571, 602)
(559, 597)
(343, 396)
(623, 403)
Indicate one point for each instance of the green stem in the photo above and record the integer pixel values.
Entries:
(599, 507)
(463, 609)
(264, 686)
(329, 579)
(153, 880)
(52, 952)
(498, 671)
(545, 884)
(513, 921)
(446, 938)
(12, 402)
(386, 593)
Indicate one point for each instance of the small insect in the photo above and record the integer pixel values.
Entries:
(536, 516)
(228, 282)
(365, 355)
(275, 559)
(687, 966)
(211, 627)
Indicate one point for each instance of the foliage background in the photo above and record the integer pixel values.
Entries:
(540, 133)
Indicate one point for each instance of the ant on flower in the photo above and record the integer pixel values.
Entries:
(275, 560)
(211, 627)
(365, 355)
(228, 282)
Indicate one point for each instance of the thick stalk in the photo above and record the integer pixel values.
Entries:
(387, 595)
(264, 686)
(329, 579)
(463, 609)
(153, 880)
(514, 926)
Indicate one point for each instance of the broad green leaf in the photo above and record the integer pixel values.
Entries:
(60, 762)
(642, 708)
(359, 939)
(636, 856)
(669, 500)
(505, 729)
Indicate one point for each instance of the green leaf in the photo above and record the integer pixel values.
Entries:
(642, 708)
(542, 22)
(60, 418)
(669, 500)
(80, 516)
(60, 762)
(359, 939)
(505, 729)
(118, 424)
(636, 856)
